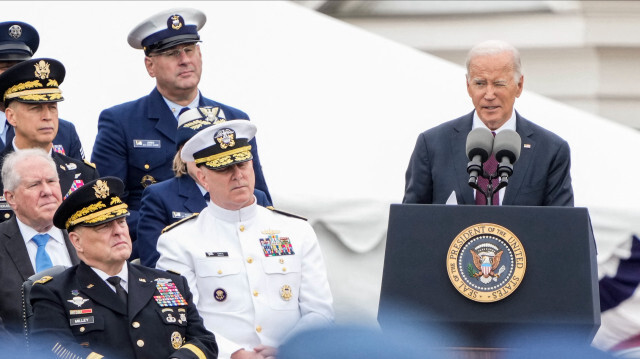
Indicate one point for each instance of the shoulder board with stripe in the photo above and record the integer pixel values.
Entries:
(89, 163)
(174, 225)
(43, 280)
(285, 213)
(172, 271)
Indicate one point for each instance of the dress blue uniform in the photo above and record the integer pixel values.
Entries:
(165, 203)
(136, 142)
(77, 315)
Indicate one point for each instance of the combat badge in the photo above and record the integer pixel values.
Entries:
(486, 262)
(286, 292)
(220, 295)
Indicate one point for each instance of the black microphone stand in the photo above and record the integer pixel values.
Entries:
(503, 172)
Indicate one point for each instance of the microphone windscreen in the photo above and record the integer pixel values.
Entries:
(507, 143)
(479, 142)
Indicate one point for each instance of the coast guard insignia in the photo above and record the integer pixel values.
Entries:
(486, 262)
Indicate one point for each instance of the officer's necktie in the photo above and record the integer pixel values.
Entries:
(115, 281)
(489, 167)
(43, 261)
(207, 197)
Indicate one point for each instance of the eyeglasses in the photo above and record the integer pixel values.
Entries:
(188, 50)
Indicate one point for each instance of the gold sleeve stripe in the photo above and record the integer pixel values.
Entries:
(94, 355)
(199, 353)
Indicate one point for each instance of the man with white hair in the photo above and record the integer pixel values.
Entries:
(437, 171)
(29, 242)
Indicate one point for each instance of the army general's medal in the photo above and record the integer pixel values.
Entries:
(169, 295)
(486, 262)
(176, 340)
(285, 292)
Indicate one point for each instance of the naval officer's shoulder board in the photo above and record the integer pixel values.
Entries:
(271, 208)
(174, 225)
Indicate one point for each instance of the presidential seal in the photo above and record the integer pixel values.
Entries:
(486, 262)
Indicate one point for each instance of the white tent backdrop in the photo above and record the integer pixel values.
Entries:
(338, 111)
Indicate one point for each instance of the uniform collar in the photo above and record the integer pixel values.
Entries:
(243, 214)
(124, 276)
(175, 108)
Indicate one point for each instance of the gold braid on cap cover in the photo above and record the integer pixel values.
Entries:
(221, 159)
(94, 213)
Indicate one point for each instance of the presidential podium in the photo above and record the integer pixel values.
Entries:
(492, 273)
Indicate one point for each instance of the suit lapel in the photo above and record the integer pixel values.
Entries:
(95, 288)
(158, 110)
(461, 129)
(141, 290)
(188, 189)
(521, 167)
(14, 243)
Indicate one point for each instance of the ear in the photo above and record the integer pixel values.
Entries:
(75, 240)
(202, 177)
(10, 198)
(148, 64)
(520, 86)
(10, 113)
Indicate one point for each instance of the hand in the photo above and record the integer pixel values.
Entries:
(246, 354)
(266, 351)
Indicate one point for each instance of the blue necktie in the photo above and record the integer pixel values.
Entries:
(43, 261)
(207, 197)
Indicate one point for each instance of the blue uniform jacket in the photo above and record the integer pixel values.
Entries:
(77, 315)
(165, 203)
(67, 137)
(136, 142)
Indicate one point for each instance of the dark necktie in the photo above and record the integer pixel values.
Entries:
(115, 281)
(489, 167)
(43, 261)
(207, 197)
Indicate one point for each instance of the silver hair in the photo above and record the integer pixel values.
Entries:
(494, 47)
(10, 177)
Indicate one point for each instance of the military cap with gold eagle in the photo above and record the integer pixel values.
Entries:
(167, 29)
(92, 204)
(221, 145)
(33, 81)
(195, 120)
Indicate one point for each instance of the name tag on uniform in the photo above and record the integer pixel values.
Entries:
(81, 321)
(146, 143)
(180, 215)
(217, 254)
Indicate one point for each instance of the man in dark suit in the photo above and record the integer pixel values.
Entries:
(180, 197)
(136, 140)
(31, 95)
(437, 171)
(105, 306)
(19, 42)
(33, 191)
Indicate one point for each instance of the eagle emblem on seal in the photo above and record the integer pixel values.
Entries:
(486, 258)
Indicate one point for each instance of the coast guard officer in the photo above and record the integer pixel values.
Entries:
(136, 140)
(257, 274)
(105, 306)
(18, 42)
(169, 201)
(30, 94)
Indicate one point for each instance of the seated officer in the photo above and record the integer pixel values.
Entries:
(18, 42)
(257, 274)
(169, 201)
(105, 306)
(30, 94)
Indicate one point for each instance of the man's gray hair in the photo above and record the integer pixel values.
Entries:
(10, 177)
(494, 47)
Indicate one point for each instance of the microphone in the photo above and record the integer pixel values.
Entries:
(479, 147)
(506, 147)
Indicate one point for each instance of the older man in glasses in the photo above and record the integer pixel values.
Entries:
(137, 140)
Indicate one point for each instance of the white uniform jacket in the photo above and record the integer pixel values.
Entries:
(257, 276)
